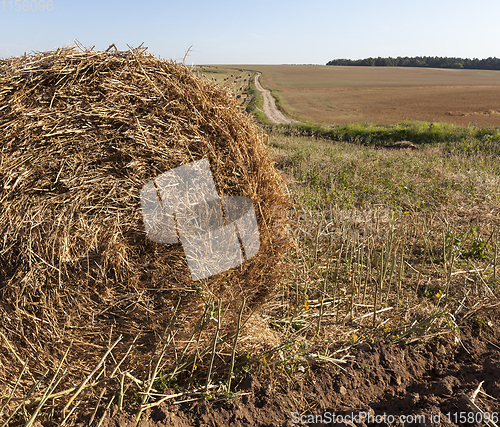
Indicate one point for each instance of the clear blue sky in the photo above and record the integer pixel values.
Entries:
(259, 31)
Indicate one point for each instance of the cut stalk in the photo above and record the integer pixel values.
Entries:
(214, 346)
(24, 400)
(448, 280)
(82, 385)
(495, 258)
(233, 354)
(15, 387)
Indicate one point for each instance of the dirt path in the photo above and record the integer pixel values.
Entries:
(270, 109)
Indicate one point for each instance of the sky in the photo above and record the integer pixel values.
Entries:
(257, 31)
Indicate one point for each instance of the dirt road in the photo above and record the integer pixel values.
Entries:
(270, 109)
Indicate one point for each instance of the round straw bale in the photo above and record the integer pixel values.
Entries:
(81, 133)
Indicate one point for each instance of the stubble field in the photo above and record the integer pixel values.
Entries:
(341, 95)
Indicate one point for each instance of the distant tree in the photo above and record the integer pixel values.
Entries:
(423, 61)
(390, 62)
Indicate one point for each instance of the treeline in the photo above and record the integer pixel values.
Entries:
(423, 61)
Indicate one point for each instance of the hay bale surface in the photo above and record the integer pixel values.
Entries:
(81, 132)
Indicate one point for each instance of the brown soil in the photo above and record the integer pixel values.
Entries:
(426, 379)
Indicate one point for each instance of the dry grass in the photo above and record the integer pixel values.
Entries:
(351, 176)
(81, 132)
(406, 261)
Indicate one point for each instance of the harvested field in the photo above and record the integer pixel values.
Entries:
(375, 288)
(340, 95)
(429, 384)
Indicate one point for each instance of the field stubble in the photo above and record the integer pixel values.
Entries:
(383, 235)
(388, 247)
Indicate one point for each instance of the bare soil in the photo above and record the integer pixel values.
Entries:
(427, 379)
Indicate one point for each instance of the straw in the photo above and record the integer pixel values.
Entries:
(81, 133)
